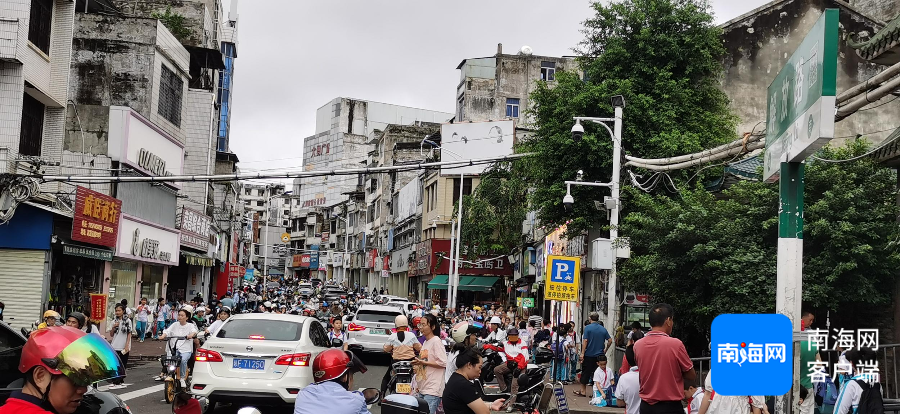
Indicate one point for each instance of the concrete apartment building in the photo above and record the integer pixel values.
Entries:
(498, 87)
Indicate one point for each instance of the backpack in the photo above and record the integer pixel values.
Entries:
(870, 402)
(826, 392)
(559, 349)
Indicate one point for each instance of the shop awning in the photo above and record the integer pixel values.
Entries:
(197, 260)
(471, 283)
(477, 283)
(439, 282)
(275, 272)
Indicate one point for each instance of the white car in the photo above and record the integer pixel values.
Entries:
(371, 326)
(258, 359)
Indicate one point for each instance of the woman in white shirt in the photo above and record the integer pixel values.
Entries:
(214, 327)
(729, 404)
(182, 328)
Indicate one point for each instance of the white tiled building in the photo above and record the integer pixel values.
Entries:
(35, 52)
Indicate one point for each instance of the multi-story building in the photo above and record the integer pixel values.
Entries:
(344, 138)
(35, 54)
(269, 209)
(498, 87)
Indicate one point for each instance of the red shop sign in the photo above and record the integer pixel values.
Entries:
(96, 218)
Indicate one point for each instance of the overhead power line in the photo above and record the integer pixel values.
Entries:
(263, 176)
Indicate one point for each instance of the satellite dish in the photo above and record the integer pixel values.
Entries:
(526, 50)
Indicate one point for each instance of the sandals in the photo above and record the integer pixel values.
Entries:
(579, 393)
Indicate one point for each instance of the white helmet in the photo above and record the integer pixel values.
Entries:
(401, 320)
(459, 332)
(496, 319)
(188, 308)
(267, 304)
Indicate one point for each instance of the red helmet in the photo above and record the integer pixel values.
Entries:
(416, 321)
(64, 350)
(334, 363)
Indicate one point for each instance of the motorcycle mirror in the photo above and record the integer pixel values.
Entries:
(249, 410)
(372, 396)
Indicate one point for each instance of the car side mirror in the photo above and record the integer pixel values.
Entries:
(372, 396)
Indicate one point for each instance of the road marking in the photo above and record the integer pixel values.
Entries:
(141, 392)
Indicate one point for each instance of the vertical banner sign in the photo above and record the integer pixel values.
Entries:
(98, 306)
(96, 218)
(801, 99)
(799, 121)
(562, 278)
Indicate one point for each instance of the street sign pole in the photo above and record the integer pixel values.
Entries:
(800, 120)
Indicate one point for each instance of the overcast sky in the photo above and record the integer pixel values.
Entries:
(295, 56)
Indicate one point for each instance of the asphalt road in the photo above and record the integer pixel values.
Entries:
(145, 396)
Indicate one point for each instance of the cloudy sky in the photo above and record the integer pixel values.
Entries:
(295, 56)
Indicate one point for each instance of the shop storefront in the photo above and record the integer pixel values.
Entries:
(144, 248)
(481, 281)
(399, 268)
(24, 249)
(195, 265)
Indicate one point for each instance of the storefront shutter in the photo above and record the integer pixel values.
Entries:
(22, 286)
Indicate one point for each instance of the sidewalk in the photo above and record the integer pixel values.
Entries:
(149, 350)
(581, 405)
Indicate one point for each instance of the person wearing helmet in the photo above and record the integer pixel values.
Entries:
(182, 328)
(515, 353)
(59, 364)
(80, 321)
(333, 372)
(402, 345)
(51, 318)
(497, 332)
(224, 314)
(464, 335)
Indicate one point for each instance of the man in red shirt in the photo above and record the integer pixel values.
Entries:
(664, 363)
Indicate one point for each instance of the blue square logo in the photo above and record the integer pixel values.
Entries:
(562, 271)
(752, 354)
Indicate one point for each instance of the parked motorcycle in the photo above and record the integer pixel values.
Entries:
(531, 382)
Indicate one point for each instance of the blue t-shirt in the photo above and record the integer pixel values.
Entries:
(596, 336)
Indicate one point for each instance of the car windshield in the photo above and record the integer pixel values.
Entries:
(377, 316)
(261, 329)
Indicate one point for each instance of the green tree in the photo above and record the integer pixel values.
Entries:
(175, 22)
(709, 254)
(495, 211)
(664, 57)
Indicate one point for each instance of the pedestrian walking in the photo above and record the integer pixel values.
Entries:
(574, 355)
(143, 317)
(161, 315)
(809, 353)
(594, 342)
(433, 357)
(121, 341)
(664, 363)
(560, 345)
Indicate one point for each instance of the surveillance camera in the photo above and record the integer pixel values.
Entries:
(577, 132)
(579, 176)
(568, 202)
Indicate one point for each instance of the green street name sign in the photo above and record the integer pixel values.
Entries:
(89, 252)
(801, 99)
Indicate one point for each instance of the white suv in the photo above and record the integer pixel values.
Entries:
(371, 326)
(259, 359)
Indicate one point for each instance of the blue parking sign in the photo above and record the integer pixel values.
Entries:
(562, 278)
(752, 354)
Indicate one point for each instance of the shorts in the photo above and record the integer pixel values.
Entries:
(587, 369)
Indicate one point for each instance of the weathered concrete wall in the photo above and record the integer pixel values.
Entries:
(758, 46)
(884, 10)
(88, 132)
(194, 13)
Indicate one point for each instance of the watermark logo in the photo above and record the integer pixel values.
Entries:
(751, 346)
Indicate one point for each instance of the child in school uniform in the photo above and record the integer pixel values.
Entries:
(694, 396)
(603, 380)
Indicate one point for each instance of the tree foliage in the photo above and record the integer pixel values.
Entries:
(709, 254)
(495, 211)
(664, 57)
(175, 22)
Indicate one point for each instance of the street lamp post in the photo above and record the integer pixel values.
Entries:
(618, 103)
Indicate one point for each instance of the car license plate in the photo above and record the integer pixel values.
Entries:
(379, 331)
(244, 363)
(404, 388)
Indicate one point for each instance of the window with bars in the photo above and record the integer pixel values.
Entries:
(512, 107)
(39, 24)
(32, 129)
(170, 91)
(548, 71)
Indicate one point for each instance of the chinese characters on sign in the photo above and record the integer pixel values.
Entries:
(98, 306)
(148, 248)
(320, 149)
(194, 229)
(562, 278)
(845, 339)
(750, 346)
(96, 218)
(314, 202)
